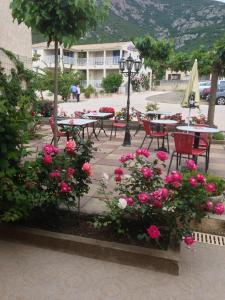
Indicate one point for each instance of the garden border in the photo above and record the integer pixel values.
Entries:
(153, 259)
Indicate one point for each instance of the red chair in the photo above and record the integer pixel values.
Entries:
(139, 117)
(149, 133)
(115, 126)
(184, 148)
(59, 134)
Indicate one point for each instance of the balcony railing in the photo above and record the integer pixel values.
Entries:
(92, 61)
(95, 83)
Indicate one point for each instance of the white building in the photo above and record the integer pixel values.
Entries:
(94, 60)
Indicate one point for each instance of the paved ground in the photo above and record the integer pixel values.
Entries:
(166, 100)
(31, 273)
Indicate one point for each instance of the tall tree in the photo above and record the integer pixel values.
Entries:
(61, 22)
(156, 54)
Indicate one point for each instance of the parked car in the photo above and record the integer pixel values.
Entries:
(220, 96)
(203, 85)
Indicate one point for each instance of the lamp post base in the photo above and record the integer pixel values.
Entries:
(127, 138)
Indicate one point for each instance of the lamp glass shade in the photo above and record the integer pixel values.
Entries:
(129, 63)
(122, 64)
(137, 65)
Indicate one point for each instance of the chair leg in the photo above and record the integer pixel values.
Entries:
(158, 142)
(150, 143)
(139, 127)
(177, 163)
(171, 159)
(168, 144)
(111, 133)
(52, 140)
(115, 131)
(143, 141)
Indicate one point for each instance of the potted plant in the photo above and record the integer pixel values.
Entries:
(218, 194)
(151, 208)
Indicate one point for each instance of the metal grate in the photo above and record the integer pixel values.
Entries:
(209, 239)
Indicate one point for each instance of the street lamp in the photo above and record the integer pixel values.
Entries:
(129, 68)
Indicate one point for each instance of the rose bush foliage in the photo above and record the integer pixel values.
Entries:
(156, 203)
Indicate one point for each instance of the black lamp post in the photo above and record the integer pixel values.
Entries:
(129, 68)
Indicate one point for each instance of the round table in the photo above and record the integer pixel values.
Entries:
(158, 113)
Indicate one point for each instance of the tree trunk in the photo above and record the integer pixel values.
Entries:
(212, 99)
(55, 112)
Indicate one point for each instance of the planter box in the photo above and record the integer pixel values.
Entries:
(153, 259)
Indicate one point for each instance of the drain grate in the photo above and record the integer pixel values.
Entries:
(209, 239)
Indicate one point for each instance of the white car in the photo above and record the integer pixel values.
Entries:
(204, 85)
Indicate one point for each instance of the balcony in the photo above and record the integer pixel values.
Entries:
(97, 84)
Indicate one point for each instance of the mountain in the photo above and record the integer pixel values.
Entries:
(189, 23)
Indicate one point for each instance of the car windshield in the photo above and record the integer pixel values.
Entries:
(204, 83)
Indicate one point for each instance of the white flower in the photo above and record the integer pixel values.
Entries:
(127, 176)
(105, 176)
(122, 203)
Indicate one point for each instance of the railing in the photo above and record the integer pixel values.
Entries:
(68, 60)
(95, 83)
(96, 61)
(113, 60)
(81, 61)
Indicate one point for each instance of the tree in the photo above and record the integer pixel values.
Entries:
(112, 82)
(155, 53)
(61, 22)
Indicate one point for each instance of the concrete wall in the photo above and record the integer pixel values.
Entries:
(171, 85)
(14, 37)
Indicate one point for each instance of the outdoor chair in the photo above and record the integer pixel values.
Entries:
(154, 134)
(59, 134)
(140, 118)
(184, 148)
(115, 126)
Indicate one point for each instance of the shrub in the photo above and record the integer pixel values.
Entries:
(141, 81)
(151, 106)
(219, 183)
(45, 108)
(157, 206)
(89, 91)
(219, 136)
(122, 114)
(112, 82)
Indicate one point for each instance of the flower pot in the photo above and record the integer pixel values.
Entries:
(219, 198)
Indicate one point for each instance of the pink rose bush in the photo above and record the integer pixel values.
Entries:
(160, 205)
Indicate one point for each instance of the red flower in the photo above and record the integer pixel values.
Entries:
(33, 113)
(47, 159)
(70, 172)
(55, 174)
(210, 188)
(153, 232)
(130, 201)
(118, 178)
(200, 178)
(191, 165)
(193, 182)
(70, 146)
(124, 158)
(189, 240)
(162, 155)
(143, 151)
(87, 168)
(143, 198)
(147, 172)
(219, 208)
(65, 188)
(50, 149)
(118, 171)
(208, 206)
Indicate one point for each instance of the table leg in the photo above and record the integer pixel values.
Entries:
(102, 128)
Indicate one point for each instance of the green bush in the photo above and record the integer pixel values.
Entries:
(112, 82)
(219, 136)
(45, 108)
(89, 91)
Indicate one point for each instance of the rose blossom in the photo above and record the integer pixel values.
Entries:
(153, 232)
(191, 165)
(200, 178)
(210, 188)
(130, 201)
(55, 174)
(124, 158)
(143, 197)
(117, 178)
(122, 203)
(65, 188)
(87, 168)
(208, 206)
(192, 181)
(70, 146)
(147, 172)
(47, 159)
(219, 208)
(189, 240)
(70, 171)
(143, 151)
(118, 171)
(50, 149)
(162, 155)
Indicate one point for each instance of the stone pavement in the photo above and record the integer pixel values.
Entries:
(106, 158)
(32, 273)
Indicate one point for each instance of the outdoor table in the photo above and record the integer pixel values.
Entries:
(198, 130)
(163, 123)
(101, 116)
(158, 113)
(82, 123)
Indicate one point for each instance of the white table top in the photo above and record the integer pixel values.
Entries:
(98, 115)
(158, 112)
(164, 122)
(76, 122)
(198, 129)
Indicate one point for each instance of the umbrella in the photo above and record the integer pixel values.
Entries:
(192, 94)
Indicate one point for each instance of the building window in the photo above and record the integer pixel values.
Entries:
(174, 77)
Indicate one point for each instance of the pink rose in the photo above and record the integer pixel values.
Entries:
(208, 206)
(130, 201)
(219, 208)
(176, 176)
(147, 172)
(191, 165)
(189, 240)
(142, 151)
(193, 182)
(210, 188)
(124, 158)
(200, 178)
(70, 171)
(176, 184)
(87, 168)
(118, 171)
(153, 232)
(118, 178)
(55, 174)
(50, 149)
(143, 198)
(47, 159)
(165, 193)
(70, 146)
(65, 188)
(162, 155)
